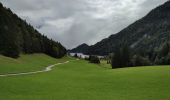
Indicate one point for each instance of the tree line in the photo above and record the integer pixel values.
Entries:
(124, 56)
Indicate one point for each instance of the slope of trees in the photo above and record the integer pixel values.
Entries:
(146, 34)
(83, 48)
(16, 36)
(163, 55)
(125, 57)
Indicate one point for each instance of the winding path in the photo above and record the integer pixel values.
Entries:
(47, 69)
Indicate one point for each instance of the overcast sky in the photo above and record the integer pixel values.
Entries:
(73, 22)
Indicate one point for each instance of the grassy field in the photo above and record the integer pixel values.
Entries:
(26, 63)
(79, 80)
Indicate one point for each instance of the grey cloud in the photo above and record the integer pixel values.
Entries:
(73, 22)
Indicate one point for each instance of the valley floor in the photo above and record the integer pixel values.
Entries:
(79, 80)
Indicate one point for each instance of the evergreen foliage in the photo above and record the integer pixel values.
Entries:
(94, 59)
(163, 56)
(83, 48)
(16, 36)
(121, 57)
(145, 35)
(138, 60)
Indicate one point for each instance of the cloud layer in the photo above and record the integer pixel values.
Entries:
(73, 22)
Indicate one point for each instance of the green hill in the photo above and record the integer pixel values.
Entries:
(27, 63)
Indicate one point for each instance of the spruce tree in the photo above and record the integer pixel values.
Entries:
(121, 57)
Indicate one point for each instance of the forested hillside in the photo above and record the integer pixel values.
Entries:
(146, 35)
(83, 48)
(17, 36)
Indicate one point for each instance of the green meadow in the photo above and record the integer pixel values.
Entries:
(26, 63)
(80, 80)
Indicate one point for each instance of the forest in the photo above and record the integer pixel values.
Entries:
(17, 36)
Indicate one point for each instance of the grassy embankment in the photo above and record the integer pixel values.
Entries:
(27, 63)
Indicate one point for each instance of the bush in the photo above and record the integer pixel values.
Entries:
(94, 59)
(86, 58)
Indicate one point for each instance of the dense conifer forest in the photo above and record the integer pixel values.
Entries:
(17, 36)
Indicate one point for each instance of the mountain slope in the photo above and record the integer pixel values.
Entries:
(16, 36)
(83, 48)
(146, 34)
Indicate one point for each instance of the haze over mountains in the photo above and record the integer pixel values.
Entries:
(146, 34)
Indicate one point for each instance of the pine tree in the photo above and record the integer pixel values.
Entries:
(121, 57)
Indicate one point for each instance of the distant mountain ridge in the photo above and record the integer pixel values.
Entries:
(16, 36)
(83, 48)
(146, 34)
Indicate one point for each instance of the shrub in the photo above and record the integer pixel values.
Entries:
(94, 59)
(86, 58)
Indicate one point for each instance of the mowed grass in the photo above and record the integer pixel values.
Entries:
(79, 80)
(26, 63)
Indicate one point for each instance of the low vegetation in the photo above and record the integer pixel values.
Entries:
(79, 80)
(26, 63)
(94, 59)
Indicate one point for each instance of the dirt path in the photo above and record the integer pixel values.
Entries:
(47, 69)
